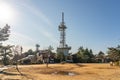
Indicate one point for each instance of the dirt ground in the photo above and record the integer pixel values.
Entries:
(63, 72)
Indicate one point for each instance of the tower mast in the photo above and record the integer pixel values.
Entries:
(63, 47)
(62, 28)
(62, 17)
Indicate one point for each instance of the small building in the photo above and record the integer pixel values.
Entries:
(42, 56)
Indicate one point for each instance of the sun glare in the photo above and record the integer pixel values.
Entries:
(6, 13)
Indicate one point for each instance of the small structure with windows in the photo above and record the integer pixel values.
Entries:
(42, 56)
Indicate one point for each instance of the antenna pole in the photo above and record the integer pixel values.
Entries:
(63, 17)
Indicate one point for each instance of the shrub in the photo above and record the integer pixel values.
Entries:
(117, 63)
(27, 61)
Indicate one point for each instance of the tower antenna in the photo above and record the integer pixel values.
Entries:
(63, 47)
(62, 17)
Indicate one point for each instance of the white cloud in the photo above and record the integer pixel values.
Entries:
(20, 36)
(44, 18)
(49, 36)
(38, 13)
(25, 40)
(20, 39)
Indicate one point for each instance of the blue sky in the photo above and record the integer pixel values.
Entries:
(94, 24)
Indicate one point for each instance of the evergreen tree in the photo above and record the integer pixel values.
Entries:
(114, 53)
(60, 57)
(37, 47)
(84, 55)
(4, 33)
(5, 50)
(6, 54)
(101, 56)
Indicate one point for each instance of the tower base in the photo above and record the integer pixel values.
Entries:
(65, 52)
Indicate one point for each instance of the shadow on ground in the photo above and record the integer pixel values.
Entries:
(80, 65)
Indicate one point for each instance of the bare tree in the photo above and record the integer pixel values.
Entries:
(50, 48)
(17, 50)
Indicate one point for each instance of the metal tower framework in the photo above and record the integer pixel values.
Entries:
(62, 28)
(63, 47)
